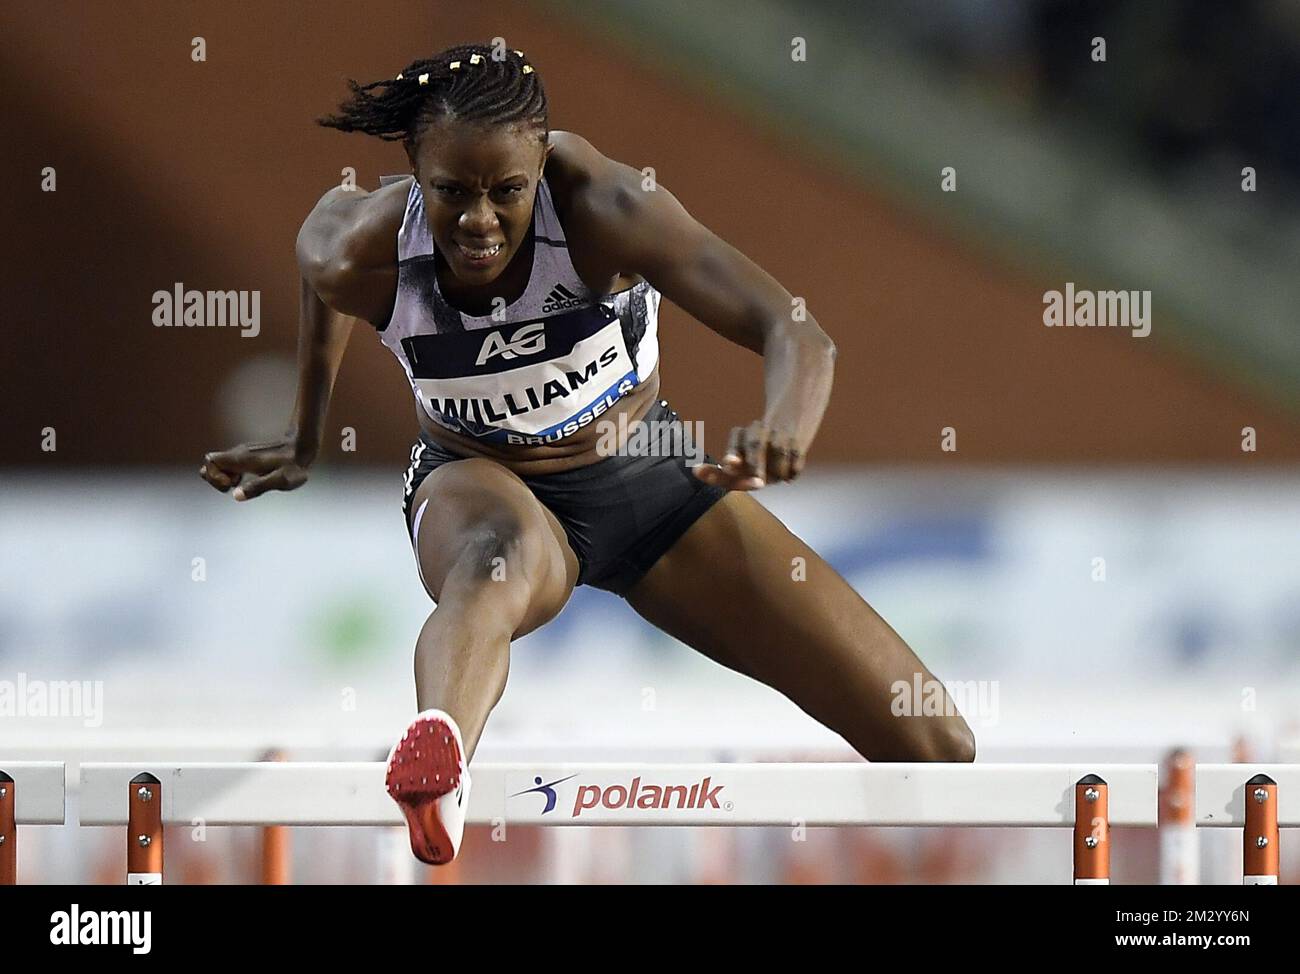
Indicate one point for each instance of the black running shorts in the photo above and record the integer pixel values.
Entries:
(620, 514)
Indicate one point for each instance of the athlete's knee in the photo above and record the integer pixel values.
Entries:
(494, 550)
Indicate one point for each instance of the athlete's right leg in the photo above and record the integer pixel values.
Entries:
(499, 565)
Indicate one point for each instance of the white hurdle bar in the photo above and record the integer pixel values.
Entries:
(1087, 798)
(1259, 799)
(31, 793)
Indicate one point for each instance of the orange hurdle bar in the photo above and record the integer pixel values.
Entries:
(1179, 842)
(144, 833)
(8, 832)
(1260, 836)
(1091, 832)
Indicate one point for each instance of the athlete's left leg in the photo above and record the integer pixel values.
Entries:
(730, 588)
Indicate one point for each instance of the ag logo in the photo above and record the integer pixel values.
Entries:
(528, 340)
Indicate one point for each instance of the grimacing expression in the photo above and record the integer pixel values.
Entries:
(479, 183)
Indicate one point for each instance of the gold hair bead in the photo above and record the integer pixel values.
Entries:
(455, 65)
(528, 69)
(475, 58)
(520, 53)
(398, 78)
(424, 79)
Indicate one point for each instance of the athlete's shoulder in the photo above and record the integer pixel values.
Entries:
(621, 220)
(354, 226)
(572, 156)
(586, 184)
(352, 231)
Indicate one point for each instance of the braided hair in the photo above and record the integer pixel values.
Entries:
(472, 82)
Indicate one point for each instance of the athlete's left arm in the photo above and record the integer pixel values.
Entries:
(650, 233)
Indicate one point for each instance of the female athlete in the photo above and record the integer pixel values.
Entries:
(516, 275)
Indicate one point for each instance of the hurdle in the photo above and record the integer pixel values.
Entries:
(1259, 799)
(31, 793)
(1087, 799)
(1180, 863)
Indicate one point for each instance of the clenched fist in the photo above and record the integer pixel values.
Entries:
(756, 455)
(254, 468)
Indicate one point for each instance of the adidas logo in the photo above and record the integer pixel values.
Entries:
(560, 299)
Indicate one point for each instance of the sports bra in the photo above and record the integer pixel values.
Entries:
(556, 359)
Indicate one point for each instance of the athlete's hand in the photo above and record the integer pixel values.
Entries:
(756, 455)
(254, 468)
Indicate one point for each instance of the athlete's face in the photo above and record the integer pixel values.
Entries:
(479, 183)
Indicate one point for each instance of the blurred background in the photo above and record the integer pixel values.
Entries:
(1109, 550)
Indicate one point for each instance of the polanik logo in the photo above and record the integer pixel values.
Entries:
(702, 795)
(546, 790)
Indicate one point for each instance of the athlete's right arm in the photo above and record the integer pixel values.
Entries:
(346, 269)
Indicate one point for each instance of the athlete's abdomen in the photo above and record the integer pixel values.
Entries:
(578, 449)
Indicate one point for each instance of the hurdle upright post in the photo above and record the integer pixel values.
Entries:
(8, 832)
(1091, 832)
(276, 855)
(1260, 836)
(144, 832)
(1179, 842)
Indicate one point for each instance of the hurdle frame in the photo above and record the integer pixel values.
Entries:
(1259, 799)
(1088, 799)
(31, 793)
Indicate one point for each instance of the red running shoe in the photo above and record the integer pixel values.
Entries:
(428, 779)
